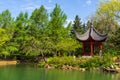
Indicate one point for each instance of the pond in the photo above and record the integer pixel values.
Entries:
(30, 72)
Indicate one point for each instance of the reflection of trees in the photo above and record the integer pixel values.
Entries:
(115, 76)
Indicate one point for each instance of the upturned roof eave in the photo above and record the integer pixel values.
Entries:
(91, 33)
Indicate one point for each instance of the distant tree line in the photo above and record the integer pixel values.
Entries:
(45, 34)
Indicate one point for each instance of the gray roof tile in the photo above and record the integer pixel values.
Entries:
(91, 33)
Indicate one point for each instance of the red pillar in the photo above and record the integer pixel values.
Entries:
(100, 52)
(91, 48)
(83, 49)
(100, 46)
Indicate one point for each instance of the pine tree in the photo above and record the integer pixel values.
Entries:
(41, 42)
(39, 20)
(88, 24)
(78, 25)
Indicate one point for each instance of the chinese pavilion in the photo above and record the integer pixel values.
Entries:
(90, 40)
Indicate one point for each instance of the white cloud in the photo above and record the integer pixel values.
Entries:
(88, 2)
(29, 6)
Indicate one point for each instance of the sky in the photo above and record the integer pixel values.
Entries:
(83, 8)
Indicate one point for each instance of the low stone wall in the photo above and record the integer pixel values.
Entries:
(8, 63)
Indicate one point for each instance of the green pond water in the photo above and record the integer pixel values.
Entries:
(30, 72)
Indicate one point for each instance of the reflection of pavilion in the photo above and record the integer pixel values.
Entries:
(90, 39)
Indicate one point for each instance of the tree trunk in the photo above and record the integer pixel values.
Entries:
(58, 53)
(44, 58)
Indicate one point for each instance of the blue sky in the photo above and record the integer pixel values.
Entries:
(83, 8)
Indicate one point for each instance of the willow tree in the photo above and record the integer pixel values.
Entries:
(116, 38)
(107, 16)
(107, 19)
(110, 9)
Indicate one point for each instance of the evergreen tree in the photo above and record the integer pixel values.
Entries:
(7, 26)
(19, 38)
(56, 25)
(41, 42)
(5, 19)
(88, 24)
(77, 25)
(39, 20)
(4, 38)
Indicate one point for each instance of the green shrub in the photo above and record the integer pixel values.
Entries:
(96, 61)
(41, 64)
(107, 60)
(59, 61)
(83, 64)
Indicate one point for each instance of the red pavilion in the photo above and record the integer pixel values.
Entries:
(90, 40)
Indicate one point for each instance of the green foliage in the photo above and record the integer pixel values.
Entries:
(80, 28)
(60, 61)
(57, 21)
(110, 8)
(56, 25)
(41, 42)
(5, 19)
(39, 22)
(46, 35)
(116, 38)
(59, 33)
(88, 24)
(3, 39)
(88, 63)
(58, 17)
(68, 45)
(97, 62)
(107, 60)
(41, 64)
(106, 20)
(78, 25)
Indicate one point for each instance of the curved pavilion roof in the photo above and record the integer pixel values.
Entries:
(91, 34)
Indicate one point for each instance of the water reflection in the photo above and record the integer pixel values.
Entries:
(23, 72)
